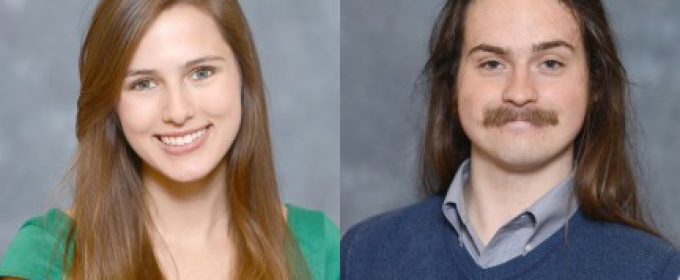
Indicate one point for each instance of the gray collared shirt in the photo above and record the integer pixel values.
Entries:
(521, 234)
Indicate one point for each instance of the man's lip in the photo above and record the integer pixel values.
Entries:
(182, 133)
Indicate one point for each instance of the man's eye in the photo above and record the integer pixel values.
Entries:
(145, 84)
(202, 73)
(552, 64)
(490, 64)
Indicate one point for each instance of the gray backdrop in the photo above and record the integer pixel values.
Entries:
(298, 44)
(384, 46)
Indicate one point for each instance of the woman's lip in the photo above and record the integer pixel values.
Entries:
(182, 133)
(188, 148)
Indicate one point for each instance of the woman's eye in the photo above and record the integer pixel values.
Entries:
(145, 84)
(202, 73)
(552, 64)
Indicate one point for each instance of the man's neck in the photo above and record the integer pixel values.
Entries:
(496, 194)
(191, 212)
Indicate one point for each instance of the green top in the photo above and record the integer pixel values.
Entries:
(31, 253)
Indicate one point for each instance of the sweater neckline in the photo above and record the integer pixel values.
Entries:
(514, 266)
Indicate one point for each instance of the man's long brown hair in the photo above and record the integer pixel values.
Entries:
(604, 181)
(109, 234)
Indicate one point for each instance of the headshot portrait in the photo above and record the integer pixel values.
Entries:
(512, 139)
(170, 139)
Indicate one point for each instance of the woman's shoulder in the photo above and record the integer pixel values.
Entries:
(53, 221)
(37, 250)
(319, 240)
(308, 220)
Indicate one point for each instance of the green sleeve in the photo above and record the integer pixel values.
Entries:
(319, 241)
(332, 251)
(33, 253)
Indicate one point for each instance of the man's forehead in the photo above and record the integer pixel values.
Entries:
(520, 24)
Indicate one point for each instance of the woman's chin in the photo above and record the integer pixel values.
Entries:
(186, 177)
(183, 174)
(178, 176)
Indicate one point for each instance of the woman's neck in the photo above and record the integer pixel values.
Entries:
(187, 210)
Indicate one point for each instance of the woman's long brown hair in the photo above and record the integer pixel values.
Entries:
(605, 181)
(109, 234)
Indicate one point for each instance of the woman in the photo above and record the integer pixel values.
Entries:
(173, 174)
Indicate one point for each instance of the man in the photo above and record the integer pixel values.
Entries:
(524, 155)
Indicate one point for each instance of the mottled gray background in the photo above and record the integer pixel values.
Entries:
(298, 44)
(384, 46)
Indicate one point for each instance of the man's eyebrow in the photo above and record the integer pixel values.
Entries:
(189, 64)
(488, 48)
(542, 46)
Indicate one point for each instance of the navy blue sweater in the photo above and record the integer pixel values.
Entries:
(418, 242)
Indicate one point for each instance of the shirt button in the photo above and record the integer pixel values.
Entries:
(528, 248)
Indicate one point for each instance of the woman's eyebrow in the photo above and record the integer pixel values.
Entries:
(200, 60)
(188, 64)
(140, 72)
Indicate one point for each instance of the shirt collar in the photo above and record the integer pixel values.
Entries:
(551, 210)
(454, 202)
(548, 212)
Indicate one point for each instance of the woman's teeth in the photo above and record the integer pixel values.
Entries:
(183, 140)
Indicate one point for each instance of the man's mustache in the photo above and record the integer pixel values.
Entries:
(502, 115)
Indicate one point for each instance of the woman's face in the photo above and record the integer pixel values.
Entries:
(180, 104)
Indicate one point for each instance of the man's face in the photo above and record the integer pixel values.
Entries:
(522, 82)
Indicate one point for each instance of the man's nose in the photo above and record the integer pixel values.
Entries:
(520, 89)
